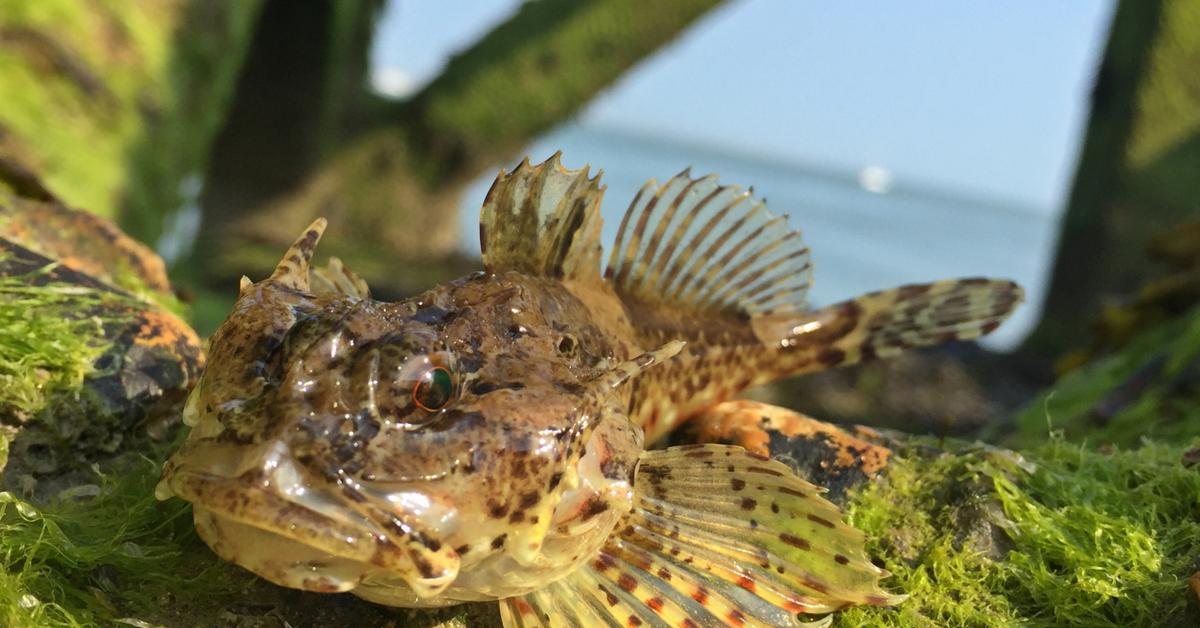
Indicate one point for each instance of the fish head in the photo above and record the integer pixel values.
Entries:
(459, 445)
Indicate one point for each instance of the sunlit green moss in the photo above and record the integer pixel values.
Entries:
(1084, 539)
(1143, 391)
(110, 552)
(45, 347)
(114, 104)
(975, 538)
(1166, 102)
(87, 77)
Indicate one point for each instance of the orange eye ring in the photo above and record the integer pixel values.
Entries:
(434, 389)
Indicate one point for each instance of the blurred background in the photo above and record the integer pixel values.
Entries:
(1052, 143)
(908, 146)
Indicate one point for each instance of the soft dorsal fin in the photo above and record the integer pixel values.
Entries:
(543, 220)
(696, 244)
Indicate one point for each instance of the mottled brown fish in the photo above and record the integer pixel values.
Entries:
(484, 440)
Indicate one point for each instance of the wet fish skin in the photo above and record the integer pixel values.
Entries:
(486, 439)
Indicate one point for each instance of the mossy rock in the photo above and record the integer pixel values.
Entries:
(977, 536)
(1149, 389)
(1058, 535)
(114, 105)
(90, 342)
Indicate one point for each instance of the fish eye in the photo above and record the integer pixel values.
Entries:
(433, 389)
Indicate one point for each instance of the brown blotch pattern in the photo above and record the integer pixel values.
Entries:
(795, 541)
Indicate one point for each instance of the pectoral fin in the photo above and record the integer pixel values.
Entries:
(717, 537)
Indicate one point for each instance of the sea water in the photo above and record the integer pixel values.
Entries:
(861, 240)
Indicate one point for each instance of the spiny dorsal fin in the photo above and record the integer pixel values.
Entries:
(295, 270)
(543, 220)
(336, 280)
(696, 244)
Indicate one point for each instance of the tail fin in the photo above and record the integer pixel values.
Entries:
(882, 324)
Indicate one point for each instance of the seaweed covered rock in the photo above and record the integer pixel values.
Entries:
(1058, 535)
(976, 536)
(1148, 389)
(91, 344)
(1055, 534)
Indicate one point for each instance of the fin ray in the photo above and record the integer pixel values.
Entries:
(335, 279)
(882, 324)
(695, 244)
(717, 536)
(543, 220)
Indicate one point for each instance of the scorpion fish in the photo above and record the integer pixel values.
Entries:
(486, 440)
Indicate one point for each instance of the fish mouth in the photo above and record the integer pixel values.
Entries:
(283, 525)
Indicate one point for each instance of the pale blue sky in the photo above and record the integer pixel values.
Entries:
(982, 98)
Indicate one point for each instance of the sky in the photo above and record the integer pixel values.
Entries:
(985, 99)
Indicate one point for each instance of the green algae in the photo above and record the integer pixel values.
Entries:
(1166, 100)
(1084, 538)
(105, 553)
(1147, 390)
(137, 94)
(66, 342)
(44, 349)
(979, 537)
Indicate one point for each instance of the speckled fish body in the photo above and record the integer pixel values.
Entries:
(461, 495)
(484, 440)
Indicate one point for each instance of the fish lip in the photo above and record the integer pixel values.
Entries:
(258, 498)
(243, 499)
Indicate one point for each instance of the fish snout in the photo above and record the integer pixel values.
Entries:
(275, 518)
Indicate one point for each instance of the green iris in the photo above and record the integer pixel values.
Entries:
(434, 389)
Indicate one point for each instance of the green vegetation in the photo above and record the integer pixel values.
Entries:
(978, 537)
(1064, 536)
(1135, 177)
(1166, 101)
(135, 92)
(1147, 390)
(50, 337)
(110, 553)
(81, 362)
(85, 79)
(113, 108)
